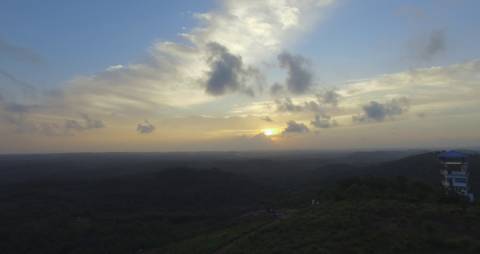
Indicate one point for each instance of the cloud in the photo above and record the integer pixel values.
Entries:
(375, 111)
(259, 141)
(313, 106)
(437, 83)
(21, 123)
(422, 115)
(329, 97)
(10, 77)
(287, 105)
(267, 119)
(227, 73)
(86, 123)
(145, 128)
(18, 53)
(320, 105)
(323, 122)
(300, 77)
(256, 29)
(294, 127)
(220, 55)
(276, 89)
(43, 128)
(17, 108)
(435, 45)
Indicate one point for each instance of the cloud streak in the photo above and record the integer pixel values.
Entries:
(85, 124)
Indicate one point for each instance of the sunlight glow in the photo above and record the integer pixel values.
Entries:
(268, 132)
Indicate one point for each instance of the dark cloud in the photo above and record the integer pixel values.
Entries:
(227, 72)
(145, 128)
(435, 45)
(294, 127)
(323, 122)
(276, 89)
(86, 123)
(375, 111)
(313, 106)
(267, 119)
(286, 105)
(329, 97)
(300, 77)
(18, 53)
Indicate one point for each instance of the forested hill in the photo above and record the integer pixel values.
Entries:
(423, 167)
(244, 206)
(359, 215)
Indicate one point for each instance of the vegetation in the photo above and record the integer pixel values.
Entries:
(390, 207)
(373, 215)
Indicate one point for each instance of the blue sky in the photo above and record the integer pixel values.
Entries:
(364, 38)
(240, 75)
(84, 37)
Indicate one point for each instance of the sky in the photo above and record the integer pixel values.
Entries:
(224, 75)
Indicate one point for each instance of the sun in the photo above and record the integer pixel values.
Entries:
(268, 132)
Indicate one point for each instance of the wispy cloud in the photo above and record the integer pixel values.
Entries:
(219, 57)
(17, 53)
(86, 123)
(435, 44)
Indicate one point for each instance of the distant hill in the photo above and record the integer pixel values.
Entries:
(423, 167)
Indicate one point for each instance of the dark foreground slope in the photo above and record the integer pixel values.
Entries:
(122, 214)
(365, 215)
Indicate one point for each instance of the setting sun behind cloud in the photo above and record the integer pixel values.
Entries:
(270, 132)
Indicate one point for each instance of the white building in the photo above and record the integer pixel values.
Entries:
(455, 173)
